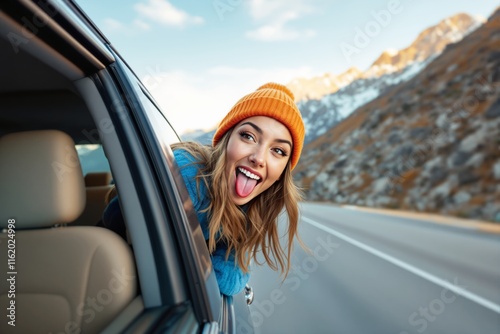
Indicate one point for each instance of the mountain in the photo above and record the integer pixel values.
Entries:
(429, 43)
(430, 143)
(353, 88)
(201, 136)
(197, 135)
(317, 87)
(321, 115)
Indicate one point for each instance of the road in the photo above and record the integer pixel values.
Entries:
(374, 273)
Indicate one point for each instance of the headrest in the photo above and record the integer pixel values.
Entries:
(97, 179)
(41, 179)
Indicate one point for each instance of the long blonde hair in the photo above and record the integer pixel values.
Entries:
(256, 228)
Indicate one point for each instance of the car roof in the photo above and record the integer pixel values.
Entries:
(40, 62)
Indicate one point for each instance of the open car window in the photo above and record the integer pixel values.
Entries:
(92, 158)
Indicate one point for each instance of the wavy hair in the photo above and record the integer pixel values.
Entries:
(256, 228)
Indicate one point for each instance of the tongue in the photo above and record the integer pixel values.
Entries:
(244, 185)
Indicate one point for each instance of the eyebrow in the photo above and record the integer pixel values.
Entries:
(259, 130)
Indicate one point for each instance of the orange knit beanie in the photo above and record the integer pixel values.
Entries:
(271, 100)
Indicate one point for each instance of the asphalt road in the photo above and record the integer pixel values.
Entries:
(373, 273)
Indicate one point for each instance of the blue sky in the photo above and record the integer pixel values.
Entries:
(199, 57)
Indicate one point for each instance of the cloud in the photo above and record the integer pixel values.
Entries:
(260, 9)
(111, 25)
(275, 16)
(163, 12)
(200, 100)
(159, 11)
(270, 33)
(140, 24)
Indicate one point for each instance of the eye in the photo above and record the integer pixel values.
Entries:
(280, 151)
(246, 135)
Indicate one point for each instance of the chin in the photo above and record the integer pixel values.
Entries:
(241, 201)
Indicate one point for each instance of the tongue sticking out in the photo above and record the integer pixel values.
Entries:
(244, 185)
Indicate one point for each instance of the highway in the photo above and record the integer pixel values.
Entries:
(375, 273)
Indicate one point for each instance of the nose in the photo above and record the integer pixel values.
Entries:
(257, 158)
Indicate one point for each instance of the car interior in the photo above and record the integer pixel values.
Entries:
(63, 260)
(67, 268)
(78, 128)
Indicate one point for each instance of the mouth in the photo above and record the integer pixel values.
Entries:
(246, 181)
(248, 174)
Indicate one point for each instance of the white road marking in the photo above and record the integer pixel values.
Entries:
(419, 272)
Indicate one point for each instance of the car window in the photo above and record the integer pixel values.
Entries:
(92, 158)
(166, 136)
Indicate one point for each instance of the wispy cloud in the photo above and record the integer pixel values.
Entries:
(150, 12)
(278, 32)
(111, 25)
(260, 9)
(163, 12)
(141, 24)
(275, 17)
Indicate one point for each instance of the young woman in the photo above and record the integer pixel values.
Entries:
(241, 184)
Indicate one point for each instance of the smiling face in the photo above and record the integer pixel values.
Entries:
(258, 151)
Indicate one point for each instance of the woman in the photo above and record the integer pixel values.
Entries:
(241, 183)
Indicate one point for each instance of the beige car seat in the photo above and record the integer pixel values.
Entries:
(73, 279)
(97, 187)
(96, 179)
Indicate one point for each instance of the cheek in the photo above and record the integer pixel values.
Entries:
(233, 151)
(278, 170)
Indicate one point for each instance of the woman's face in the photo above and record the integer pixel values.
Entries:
(257, 153)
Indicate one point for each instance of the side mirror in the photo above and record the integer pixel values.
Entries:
(249, 294)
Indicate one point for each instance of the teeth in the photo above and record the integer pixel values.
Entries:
(248, 174)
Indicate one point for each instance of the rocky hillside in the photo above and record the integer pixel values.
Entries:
(325, 100)
(431, 143)
(321, 115)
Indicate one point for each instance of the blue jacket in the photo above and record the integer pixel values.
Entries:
(230, 277)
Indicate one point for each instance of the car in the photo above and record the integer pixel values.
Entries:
(76, 123)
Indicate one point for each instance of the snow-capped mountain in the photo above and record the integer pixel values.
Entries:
(429, 144)
(429, 43)
(322, 114)
(352, 89)
(317, 87)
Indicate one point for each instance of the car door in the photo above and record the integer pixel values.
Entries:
(148, 141)
(232, 314)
